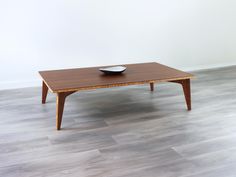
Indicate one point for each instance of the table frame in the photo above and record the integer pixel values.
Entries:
(61, 96)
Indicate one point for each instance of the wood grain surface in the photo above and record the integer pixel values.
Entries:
(90, 78)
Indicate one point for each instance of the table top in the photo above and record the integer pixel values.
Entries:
(91, 78)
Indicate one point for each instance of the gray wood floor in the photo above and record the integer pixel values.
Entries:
(123, 132)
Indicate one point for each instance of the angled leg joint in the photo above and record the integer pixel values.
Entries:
(187, 91)
(44, 92)
(61, 97)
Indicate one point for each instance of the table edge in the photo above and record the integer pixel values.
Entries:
(118, 84)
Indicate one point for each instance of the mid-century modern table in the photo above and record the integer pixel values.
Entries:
(68, 81)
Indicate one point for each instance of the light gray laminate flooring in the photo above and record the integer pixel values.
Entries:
(123, 132)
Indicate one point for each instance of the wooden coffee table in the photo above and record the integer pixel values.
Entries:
(68, 81)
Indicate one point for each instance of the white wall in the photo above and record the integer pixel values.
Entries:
(51, 34)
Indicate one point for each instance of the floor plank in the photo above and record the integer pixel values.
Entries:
(123, 132)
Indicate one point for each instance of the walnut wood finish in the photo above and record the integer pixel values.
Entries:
(152, 86)
(92, 78)
(44, 92)
(61, 97)
(66, 82)
(187, 91)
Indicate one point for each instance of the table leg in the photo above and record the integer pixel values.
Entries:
(187, 91)
(44, 92)
(152, 86)
(61, 97)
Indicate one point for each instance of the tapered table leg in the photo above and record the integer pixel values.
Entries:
(187, 91)
(44, 92)
(60, 108)
(152, 86)
(61, 97)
